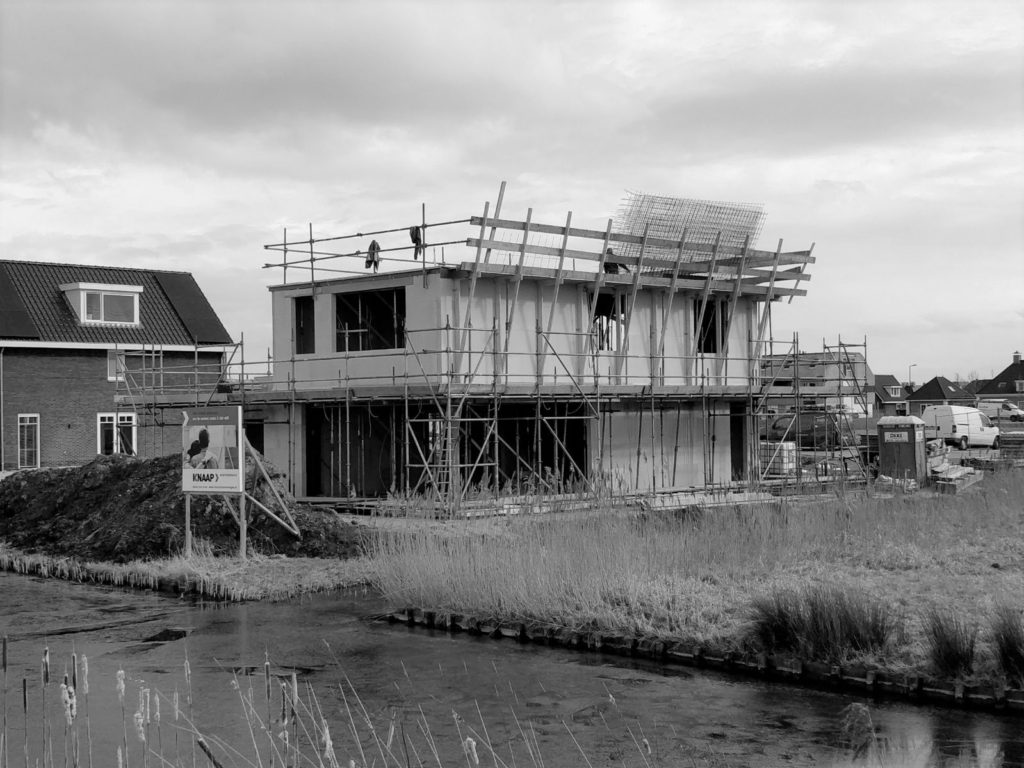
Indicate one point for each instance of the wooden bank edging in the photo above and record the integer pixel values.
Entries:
(854, 679)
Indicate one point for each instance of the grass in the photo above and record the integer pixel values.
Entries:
(203, 574)
(695, 578)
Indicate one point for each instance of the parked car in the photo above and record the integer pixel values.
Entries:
(1001, 409)
(812, 430)
(960, 425)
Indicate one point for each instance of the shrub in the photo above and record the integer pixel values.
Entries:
(950, 643)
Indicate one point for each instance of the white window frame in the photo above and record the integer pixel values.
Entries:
(115, 420)
(895, 391)
(28, 420)
(115, 364)
(77, 294)
(1019, 385)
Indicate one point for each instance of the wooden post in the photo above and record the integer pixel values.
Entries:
(242, 526)
(188, 525)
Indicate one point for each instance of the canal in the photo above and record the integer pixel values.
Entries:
(422, 693)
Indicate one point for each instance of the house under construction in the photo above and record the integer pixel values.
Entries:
(466, 363)
(542, 358)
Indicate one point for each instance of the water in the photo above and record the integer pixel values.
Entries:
(536, 705)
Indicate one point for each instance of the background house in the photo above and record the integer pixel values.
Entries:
(1009, 384)
(890, 397)
(77, 341)
(938, 391)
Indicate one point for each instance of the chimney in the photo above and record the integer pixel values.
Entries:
(1016, 358)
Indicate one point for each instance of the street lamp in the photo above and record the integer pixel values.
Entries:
(909, 382)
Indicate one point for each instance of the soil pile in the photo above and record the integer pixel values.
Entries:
(121, 508)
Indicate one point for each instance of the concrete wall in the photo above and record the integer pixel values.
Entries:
(678, 448)
(443, 304)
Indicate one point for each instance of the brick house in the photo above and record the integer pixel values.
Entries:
(890, 397)
(937, 391)
(72, 337)
(1008, 385)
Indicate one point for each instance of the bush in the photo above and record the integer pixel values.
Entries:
(950, 643)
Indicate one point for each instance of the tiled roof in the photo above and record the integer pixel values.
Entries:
(1005, 382)
(882, 383)
(940, 388)
(161, 319)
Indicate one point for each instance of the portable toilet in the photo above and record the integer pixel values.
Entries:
(902, 450)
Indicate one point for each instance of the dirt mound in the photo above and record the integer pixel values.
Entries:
(121, 508)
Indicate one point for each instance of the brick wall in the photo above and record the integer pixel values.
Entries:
(68, 388)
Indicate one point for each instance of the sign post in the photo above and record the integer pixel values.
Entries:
(213, 461)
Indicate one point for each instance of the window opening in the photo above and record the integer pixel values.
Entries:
(28, 440)
(609, 320)
(369, 320)
(709, 340)
(116, 433)
(304, 326)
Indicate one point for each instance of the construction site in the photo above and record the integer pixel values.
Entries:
(496, 361)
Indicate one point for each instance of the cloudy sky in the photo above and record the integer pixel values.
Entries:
(185, 135)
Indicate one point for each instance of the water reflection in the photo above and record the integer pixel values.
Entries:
(529, 702)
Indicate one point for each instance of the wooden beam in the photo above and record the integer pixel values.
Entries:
(497, 213)
(733, 298)
(518, 281)
(632, 301)
(554, 300)
(765, 312)
(704, 301)
(620, 237)
(756, 259)
(802, 267)
(646, 280)
(668, 308)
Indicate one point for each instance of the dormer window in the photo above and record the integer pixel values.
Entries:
(99, 304)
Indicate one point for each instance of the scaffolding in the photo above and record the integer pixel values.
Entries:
(814, 415)
(491, 408)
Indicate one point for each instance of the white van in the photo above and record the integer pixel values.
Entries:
(964, 427)
(1001, 409)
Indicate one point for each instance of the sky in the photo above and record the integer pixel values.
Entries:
(186, 135)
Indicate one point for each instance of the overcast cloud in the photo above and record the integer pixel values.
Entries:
(185, 135)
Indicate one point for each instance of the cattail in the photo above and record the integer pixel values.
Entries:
(156, 708)
(120, 758)
(266, 676)
(46, 665)
(5, 655)
(85, 675)
(140, 726)
(120, 686)
(469, 747)
(328, 746)
(177, 710)
(295, 692)
(74, 670)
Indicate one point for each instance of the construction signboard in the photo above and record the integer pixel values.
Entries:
(212, 450)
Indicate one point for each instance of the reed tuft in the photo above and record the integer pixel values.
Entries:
(951, 642)
(1007, 630)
